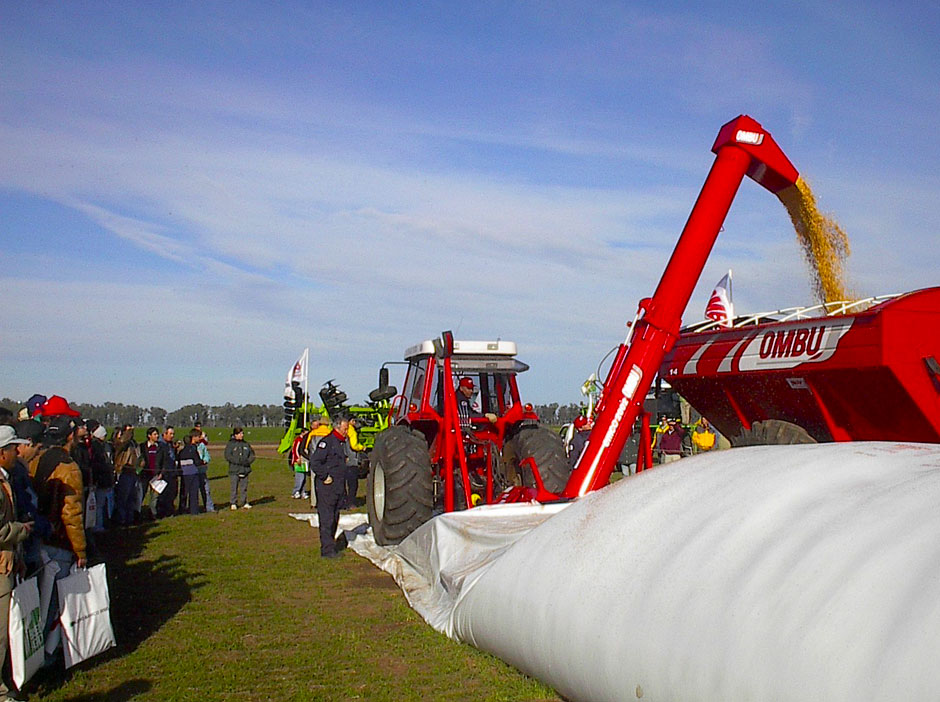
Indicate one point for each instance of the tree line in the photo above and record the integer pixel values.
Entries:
(227, 415)
(557, 414)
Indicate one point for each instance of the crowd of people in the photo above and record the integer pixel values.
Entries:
(64, 479)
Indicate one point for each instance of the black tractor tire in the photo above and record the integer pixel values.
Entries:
(773, 432)
(548, 450)
(399, 489)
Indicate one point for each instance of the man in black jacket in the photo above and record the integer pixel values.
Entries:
(328, 464)
(171, 473)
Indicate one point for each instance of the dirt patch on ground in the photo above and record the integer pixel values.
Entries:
(374, 578)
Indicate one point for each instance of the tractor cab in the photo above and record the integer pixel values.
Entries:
(487, 368)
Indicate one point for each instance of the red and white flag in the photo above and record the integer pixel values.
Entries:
(720, 308)
(297, 374)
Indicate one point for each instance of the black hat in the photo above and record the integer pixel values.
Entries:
(60, 426)
(29, 429)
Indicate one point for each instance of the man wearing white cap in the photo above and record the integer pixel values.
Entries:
(12, 533)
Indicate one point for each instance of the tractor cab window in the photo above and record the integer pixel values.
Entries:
(502, 394)
(488, 400)
(414, 384)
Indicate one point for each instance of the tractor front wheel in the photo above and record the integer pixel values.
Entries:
(546, 447)
(399, 490)
(773, 432)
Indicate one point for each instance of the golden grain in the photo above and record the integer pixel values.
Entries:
(824, 243)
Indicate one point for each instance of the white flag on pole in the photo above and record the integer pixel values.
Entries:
(720, 308)
(297, 374)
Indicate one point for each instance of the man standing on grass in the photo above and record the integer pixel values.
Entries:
(240, 455)
(12, 533)
(328, 464)
(153, 464)
(171, 473)
(59, 487)
(205, 490)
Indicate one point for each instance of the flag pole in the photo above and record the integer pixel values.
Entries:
(306, 374)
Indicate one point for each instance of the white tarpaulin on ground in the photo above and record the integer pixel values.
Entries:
(768, 573)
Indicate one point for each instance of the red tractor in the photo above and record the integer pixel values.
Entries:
(442, 452)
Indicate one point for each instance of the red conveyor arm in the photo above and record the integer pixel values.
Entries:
(742, 148)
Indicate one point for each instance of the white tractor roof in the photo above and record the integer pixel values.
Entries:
(465, 348)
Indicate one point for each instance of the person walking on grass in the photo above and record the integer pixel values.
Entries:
(240, 456)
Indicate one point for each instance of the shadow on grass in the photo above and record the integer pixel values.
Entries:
(263, 500)
(125, 691)
(144, 595)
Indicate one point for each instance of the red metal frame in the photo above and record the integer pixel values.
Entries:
(449, 442)
(742, 148)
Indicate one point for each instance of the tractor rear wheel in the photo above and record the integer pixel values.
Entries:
(548, 450)
(399, 490)
(773, 432)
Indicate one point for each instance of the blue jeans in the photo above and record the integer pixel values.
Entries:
(189, 495)
(206, 491)
(300, 480)
(104, 499)
(65, 559)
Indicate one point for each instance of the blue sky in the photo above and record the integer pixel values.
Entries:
(192, 193)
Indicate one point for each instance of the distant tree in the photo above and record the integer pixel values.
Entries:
(157, 416)
(12, 405)
(188, 415)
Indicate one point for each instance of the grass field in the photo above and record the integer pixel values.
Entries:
(219, 435)
(238, 606)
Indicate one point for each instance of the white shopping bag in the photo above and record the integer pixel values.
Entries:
(85, 617)
(91, 510)
(25, 629)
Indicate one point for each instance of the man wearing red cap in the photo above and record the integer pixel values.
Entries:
(60, 489)
(465, 409)
(582, 430)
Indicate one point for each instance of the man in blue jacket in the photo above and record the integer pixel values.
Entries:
(328, 465)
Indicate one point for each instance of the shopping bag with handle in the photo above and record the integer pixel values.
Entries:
(25, 630)
(85, 618)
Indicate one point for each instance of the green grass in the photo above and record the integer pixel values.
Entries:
(238, 606)
(219, 435)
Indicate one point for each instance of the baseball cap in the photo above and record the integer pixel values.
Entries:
(60, 426)
(8, 436)
(57, 405)
(29, 429)
(466, 383)
(34, 404)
